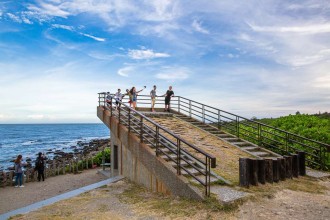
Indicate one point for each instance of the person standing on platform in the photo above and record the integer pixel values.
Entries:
(19, 171)
(134, 95)
(153, 98)
(168, 95)
(118, 98)
(108, 99)
(40, 166)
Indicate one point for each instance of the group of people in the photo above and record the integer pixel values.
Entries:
(39, 166)
(133, 93)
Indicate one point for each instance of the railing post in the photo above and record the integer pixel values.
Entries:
(259, 134)
(179, 104)
(129, 120)
(203, 113)
(141, 129)
(189, 108)
(179, 157)
(207, 176)
(237, 126)
(111, 106)
(286, 142)
(118, 115)
(219, 120)
(156, 140)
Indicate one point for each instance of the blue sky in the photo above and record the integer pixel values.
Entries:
(253, 58)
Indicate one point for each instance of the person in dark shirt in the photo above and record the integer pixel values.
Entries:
(40, 166)
(168, 95)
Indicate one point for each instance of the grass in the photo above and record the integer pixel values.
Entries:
(301, 184)
(175, 207)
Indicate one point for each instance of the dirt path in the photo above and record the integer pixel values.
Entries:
(288, 204)
(13, 198)
(125, 200)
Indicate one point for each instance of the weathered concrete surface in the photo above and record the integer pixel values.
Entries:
(139, 163)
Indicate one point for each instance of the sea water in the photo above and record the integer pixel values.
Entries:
(29, 139)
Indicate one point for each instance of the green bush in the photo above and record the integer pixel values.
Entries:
(98, 157)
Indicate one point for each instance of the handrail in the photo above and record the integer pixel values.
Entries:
(209, 114)
(288, 137)
(135, 117)
(256, 122)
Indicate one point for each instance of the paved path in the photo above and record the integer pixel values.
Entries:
(63, 196)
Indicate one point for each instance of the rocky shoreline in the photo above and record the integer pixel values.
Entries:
(60, 161)
(81, 148)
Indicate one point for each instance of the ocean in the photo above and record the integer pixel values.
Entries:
(29, 139)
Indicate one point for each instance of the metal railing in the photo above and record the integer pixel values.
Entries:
(275, 139)
(278, 140)
(182, 153)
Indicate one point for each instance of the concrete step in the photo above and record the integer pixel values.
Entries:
(183, 163)
(197, 123)
(270, 157)
(166, 150)
(165, 157)
(191, 170)
(241, 144)
(218, 132)
(260, 154)
(250, 148)
(225, 136)
(232, 139)
(202, 178)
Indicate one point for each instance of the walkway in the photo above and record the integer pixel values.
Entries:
(63, 196)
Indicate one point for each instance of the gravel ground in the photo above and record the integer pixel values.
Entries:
(109, 202)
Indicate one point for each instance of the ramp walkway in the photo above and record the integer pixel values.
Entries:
(204, 144)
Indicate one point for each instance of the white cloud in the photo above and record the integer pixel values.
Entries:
(15, 18)
(65, 27)
(93, 37)
(50, 9)
(173, 73)
(305, 29)
(145, 54)
(125, 71)
(198, 27)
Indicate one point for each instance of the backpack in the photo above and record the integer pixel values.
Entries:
(39, 163)
(17, 167)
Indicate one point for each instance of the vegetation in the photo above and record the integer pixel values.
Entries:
(289, 134)
(310, 126)
(314, 127)
(98, 157)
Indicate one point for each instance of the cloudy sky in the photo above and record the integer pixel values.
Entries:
(253, 58)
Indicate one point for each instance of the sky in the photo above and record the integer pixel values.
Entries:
(253, 58)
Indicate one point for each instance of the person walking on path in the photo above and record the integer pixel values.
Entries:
(40, 166)
(168, 95)
(19, 171)
(134, 94)
(153, 98)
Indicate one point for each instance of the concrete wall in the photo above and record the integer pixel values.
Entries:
(139, 163)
